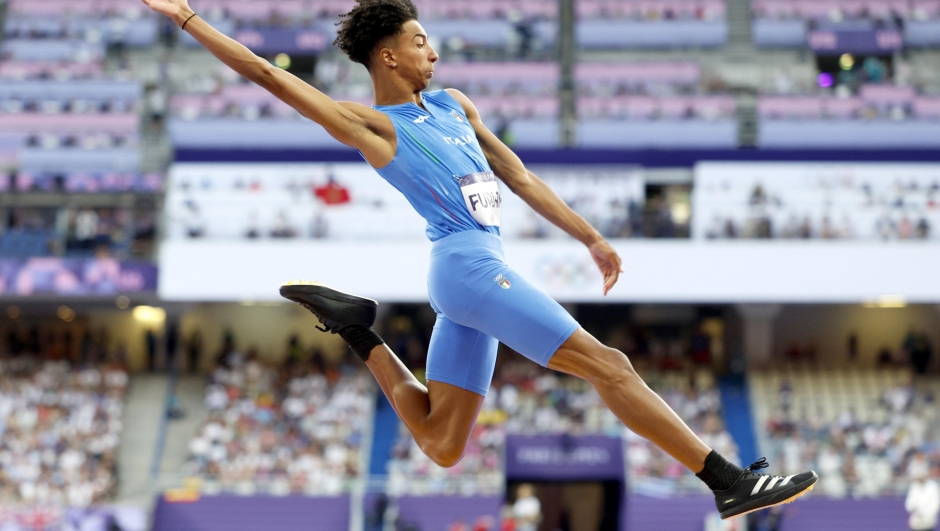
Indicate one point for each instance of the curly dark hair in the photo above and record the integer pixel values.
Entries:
(369, 23)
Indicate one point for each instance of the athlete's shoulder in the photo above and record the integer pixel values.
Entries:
(458, 101)
(450, 98)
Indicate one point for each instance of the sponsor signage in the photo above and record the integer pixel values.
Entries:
(70, 277)
(283, 40)
(564, 457)
(832, 42)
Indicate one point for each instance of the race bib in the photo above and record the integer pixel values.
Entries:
(481, 193)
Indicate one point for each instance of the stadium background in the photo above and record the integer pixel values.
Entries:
(768, 169)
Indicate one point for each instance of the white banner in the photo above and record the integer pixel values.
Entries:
(656, 271)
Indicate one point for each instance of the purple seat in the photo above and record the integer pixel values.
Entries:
(290, 8)
(188, 104)
(887, 94)
(776, 107)
(637, 73)
(842, 107)
(255, 10)
(675, 107)
(640, 106)
(517, 106)
(927, 107)
(32, 70)
(34, 123)
(247, 94)
(927, 8)
(497, 77)
(816, 9)
(588, 8)
(712, 107)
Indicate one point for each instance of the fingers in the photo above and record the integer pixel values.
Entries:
(609, 281)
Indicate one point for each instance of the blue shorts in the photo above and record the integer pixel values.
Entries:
(479, 302)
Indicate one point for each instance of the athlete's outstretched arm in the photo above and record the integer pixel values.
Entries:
(510, 169)
(355, 125)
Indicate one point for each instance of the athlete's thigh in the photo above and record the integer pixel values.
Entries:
(461, 356)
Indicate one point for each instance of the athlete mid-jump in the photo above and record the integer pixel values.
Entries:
(434, 148)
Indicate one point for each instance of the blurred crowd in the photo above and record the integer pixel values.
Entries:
(293, 428)
(830, 210)
(877, 456)
(60, 428)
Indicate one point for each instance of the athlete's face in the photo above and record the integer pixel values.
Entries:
(414, 58)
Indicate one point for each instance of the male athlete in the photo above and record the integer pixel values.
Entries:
(434, 148)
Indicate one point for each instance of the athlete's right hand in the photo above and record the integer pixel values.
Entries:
(608, 261)
(170, 8)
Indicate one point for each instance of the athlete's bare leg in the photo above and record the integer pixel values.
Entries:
(439, 417)
(629, 398)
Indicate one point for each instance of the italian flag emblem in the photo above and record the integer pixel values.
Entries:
(503, 281)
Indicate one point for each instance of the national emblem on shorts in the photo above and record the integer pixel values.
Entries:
(502, 281)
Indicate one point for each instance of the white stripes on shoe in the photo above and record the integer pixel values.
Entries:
(760, 483)
(771, 484)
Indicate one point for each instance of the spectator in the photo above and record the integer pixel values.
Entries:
(923, 501)
(527, 510)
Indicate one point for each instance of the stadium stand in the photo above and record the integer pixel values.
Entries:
(607, 24)
(790, 22)
(72, 125)
(883, 115)
(520, 104)
(866, 431)
(296, 428)
(60, 427)
(518, 27)
(651, 105)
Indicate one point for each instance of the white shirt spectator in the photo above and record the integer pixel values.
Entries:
(923, 502)
(527, 512)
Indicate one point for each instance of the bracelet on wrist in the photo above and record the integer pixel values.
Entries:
(183, 27)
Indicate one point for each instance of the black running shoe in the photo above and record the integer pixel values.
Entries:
(335, 309)
(754, 491)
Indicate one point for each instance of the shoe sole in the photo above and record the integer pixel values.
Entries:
(334, 308)
(806, 487)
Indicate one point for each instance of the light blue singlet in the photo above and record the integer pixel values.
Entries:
(440, 167)
(479, 299)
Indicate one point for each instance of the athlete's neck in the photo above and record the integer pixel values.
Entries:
(393, 90)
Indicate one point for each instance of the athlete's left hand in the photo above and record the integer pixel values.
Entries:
(607, 261)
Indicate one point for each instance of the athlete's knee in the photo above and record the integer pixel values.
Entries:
(613, 369)
(445, 453)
